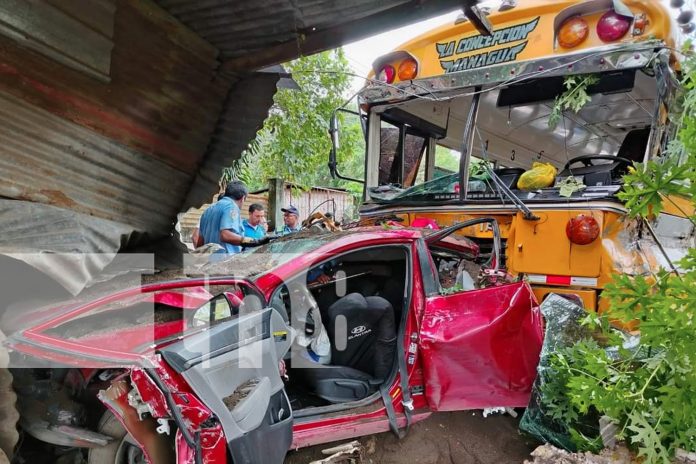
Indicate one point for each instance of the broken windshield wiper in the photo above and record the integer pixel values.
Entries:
(502, 188)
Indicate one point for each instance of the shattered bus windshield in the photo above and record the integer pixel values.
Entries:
(443, 185)
(515, 129)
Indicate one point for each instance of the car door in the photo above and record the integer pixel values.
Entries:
(480, 347)
(233, 368)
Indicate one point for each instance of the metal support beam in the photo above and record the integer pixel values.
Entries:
(467, 140)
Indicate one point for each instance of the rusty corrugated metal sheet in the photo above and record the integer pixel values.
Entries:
(49, 160)
(76, 34)
(251, 34)
(165, 93)
(114, 160)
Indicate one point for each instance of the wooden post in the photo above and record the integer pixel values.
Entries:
(276, 198)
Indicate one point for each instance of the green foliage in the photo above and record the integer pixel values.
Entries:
(647, 388)
(446, 159)
(573, 98)
(456, 288)
(294, 142)
(647, 187)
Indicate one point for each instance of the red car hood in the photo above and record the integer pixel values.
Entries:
(122, 328)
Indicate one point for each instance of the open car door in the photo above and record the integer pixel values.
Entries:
(480, 346)
(233, 368)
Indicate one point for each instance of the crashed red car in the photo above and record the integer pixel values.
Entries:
(310, 339)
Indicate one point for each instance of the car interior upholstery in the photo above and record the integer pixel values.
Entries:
(361, 307)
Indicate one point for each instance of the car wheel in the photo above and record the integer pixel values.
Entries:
(122, 450)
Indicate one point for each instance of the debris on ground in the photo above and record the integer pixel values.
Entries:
(349, 453)
(444, 438)
(620, 454)
(684, 457)
(499, 410)
(549, 454)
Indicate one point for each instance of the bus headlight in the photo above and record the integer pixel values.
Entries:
(612, 26)
(573, 32)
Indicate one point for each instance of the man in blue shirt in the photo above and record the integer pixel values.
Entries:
(253, 227)
(291, 217)
(221, 223)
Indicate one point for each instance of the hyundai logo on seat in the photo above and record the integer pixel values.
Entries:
(358, 330)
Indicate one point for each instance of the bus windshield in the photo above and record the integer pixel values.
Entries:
(516, 76)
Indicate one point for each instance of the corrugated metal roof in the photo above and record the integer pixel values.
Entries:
(243, 114)
(255, 33)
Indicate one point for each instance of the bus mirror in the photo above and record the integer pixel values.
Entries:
(335, 144)
(333, 130)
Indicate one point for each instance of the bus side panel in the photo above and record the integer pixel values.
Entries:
(542, 247)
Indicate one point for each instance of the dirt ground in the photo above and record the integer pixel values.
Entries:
(444, 438)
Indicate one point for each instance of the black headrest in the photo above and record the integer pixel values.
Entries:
(350, 302)
(379, 304)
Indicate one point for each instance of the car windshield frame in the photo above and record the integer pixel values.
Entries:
(255, 261)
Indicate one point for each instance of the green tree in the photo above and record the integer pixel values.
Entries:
(294, 142)
(647, 391)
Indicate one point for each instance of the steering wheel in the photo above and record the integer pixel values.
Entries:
(619, 164)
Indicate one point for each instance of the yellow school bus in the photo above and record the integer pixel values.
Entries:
(469, 92)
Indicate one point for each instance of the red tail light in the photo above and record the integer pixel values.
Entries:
(612, 26)
(582, 229)
(387, 74)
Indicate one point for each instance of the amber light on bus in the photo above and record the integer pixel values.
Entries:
(582, 230)
(408, 69)
(573, 32)
(387, 74)
(612, 26)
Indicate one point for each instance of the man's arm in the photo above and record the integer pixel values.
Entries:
(231, 229)
(197, 238)
(229, 236)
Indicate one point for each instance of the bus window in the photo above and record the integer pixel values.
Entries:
(446, 161)
(391, 169)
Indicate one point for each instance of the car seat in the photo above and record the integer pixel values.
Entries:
(362, 332)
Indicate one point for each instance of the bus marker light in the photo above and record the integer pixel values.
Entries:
(387, 74)
(573, 32)
(612, 26)
(639, 24)
(408, 69)
(582, 229)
